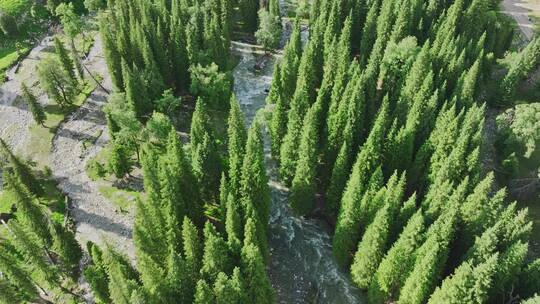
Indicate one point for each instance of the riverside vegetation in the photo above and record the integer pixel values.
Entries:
(376, 122)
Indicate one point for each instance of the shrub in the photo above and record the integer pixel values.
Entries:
(95, 169)
(8, 24)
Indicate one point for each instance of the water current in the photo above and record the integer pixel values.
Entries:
(302, 267)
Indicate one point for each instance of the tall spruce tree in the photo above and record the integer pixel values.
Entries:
(304, 182)
(237, 138)
(33, 105)
(346, 237)
(65, 58)
(254, 184)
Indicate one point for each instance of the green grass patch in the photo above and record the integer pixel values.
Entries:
(123, 199)
(96, 167)
(41, 138)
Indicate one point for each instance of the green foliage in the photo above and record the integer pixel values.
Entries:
(8, 24)
(96, 274)
(519, 130)
(71, 22)
(467, 284)
(237, 138)
(119, 162)
(529, 279)
(16, 275)
(211, 85)
(304, 182)
(347, 235)
(430, 260)
(168, 103)
(248, 11)
(269, 32)
(95, 5)
(216, 256)
(398, 262)
(254, 184)
(67, 248)
(526, 63)
(65, 59)
(57, 82)
(203, 293)
(258, 288)
(33, 105)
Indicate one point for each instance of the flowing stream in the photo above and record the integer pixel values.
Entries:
(302, 267)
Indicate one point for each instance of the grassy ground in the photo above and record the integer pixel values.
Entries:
(41, 137)
(123, 199)
(30, 27)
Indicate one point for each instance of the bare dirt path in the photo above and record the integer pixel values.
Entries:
(14, 116)
(96, 218)
(522, 11)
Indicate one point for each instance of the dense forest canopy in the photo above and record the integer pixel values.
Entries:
(377, 123)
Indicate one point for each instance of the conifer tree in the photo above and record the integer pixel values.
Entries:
(278, 122)
(255, 233)
(56, 82)
(21, 170)
(96, 274)
(233, 225)
(111, 53)
(177, 277)
(430, 260)
(273, 7)
(136, 91)
(65, 59)
(467, 283)
(16, 275)
(203, 293)
(371, 249)
(77, 61)
(398, 262)
(29, 212)
(200, 124)
(304, 183)
(8, 293)
(122, 278)
(527, 61)
(346, 236)
(207, 168)
(290, 64)
(254, 184)
(216, 256)
(258, 288)
(67, 248)
(529, 279)
(225, 290)
(351, 137)
(33, 105)
(236, 144)
(182, 176)
(192, 252)
(29, 245)
(119, 163)
(310, 69)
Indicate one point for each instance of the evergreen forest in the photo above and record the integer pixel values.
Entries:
(269, 151)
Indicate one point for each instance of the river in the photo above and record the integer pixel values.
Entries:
(302, 268)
